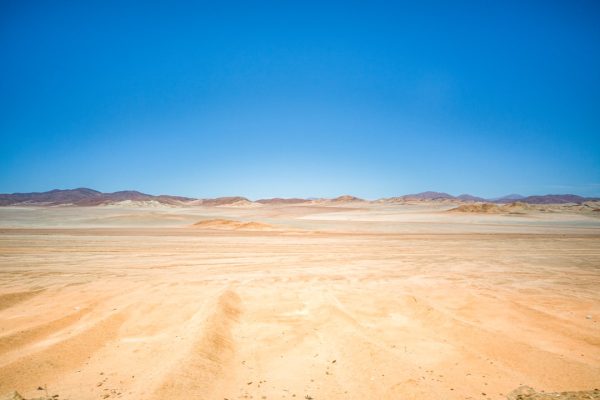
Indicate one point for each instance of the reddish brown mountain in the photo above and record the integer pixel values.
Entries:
(470, 198)
(556, 199)
(430, 196)
(83, 197)
(345, 199)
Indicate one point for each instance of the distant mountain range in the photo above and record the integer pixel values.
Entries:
(508, 198)
(90, 197)
(85, 197)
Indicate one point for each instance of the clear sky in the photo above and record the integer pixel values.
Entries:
(301, 98)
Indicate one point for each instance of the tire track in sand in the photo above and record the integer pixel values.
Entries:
(50, 363)
(10, 299)
(16, 340)
(200, 373)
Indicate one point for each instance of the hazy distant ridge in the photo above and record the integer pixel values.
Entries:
(85, 197)
(90, 197)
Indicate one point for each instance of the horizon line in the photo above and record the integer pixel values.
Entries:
(249, 198)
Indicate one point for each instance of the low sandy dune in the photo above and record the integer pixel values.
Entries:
(228, 224)
(358, 302)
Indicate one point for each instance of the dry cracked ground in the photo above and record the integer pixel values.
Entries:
(346, 302)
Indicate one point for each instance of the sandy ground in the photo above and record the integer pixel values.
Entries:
(348, 302)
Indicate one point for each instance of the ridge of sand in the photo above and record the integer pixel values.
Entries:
(210, 355)
(50, 361)
(279, 200)
(229, 224)
(490, 208)
(9, 299)
(483, 208)
(242, 204)
(519, 207)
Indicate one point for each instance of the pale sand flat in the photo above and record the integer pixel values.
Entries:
(379, 302)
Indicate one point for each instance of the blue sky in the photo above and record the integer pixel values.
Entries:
(302, 99)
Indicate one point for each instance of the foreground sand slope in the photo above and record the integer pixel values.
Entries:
(180, 313)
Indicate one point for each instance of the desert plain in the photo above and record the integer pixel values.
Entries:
(345, 300)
